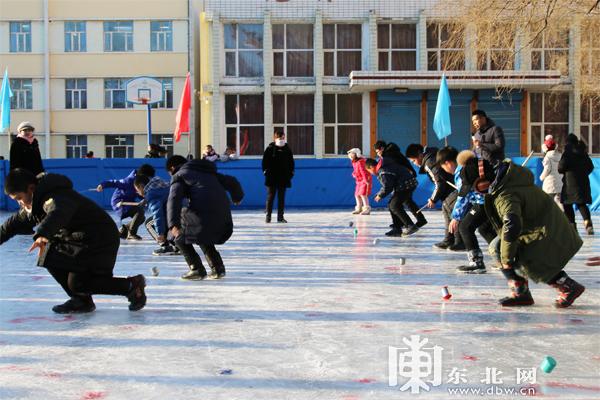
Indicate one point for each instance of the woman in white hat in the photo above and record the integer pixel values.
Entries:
(363, 182)
(25, 150)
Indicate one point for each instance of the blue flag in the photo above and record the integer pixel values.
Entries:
(5, 95)
(441, 119)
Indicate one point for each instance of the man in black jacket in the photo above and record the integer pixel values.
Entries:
(488, 138)
(392, 151)
(25, 150)
(77, 240)
(425, 159)
(278, 169)
(206, 220)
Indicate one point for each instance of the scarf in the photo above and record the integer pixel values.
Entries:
(29, 139)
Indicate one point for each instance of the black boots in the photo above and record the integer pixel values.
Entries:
(476, 265)
(76, 305)
(520, 294)
(421, 221)
(137, 294)
(568, 291)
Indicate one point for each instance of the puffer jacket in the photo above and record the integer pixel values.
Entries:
(551, 178)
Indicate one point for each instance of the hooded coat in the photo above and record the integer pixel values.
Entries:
(437, 175)
(392, 151)
(82, 236)
(532, 228)
(551, 178)
(278, 165)
(125, 191)
(576, 165)
(25, 155)
(491, 142)
(362, 177)
(207, 218)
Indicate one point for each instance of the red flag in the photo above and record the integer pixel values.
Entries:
(182, 120)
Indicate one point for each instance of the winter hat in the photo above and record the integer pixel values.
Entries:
(549, 143)
(25, 125)
(355, 151)
(572, 139)
(470, 173)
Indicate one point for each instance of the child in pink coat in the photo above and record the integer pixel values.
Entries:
(363, 182)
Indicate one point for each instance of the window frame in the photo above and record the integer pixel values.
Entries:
(542, 124)
(82, 148)
(22, 89)
(79, 93)
(109, 36)
(161, 40)
(129, 148)
(543, 50)
(121, 83)
(75, 36)
(438, 50)
(390, 49)
(19, 40)
(237, 50)
(239, 125)
(285, 52)
(335, 125)
(590, 125)
(335, 50)
(167, 101)
(284, 126)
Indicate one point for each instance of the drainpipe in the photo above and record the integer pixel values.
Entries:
(46, 80)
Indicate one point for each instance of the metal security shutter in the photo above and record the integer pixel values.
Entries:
(506, 113)
(460, 118)
(399, 117)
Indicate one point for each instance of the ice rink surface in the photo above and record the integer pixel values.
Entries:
(307, 311)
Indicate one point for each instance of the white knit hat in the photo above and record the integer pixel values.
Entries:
(355, 151)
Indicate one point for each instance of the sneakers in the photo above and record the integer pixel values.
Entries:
(133, 236)
(394, 233)
(568, 291)
(411, 230)
(75, 305)
(366, 210)
(443, 245)
(217, 272)
(356, 211)
(589, 228)
(194, 275)
(457, 247)
(166, 250)
(476, 265)
(137, 295)
(520, 294)
(281, 220)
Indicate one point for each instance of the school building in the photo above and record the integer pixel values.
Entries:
(339, 74)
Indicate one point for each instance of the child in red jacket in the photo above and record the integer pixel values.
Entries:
(363, 182)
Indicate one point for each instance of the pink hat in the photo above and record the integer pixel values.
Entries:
(550, 143)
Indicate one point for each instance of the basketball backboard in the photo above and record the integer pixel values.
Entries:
(144, 90)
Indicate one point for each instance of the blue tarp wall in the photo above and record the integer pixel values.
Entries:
(325, 183)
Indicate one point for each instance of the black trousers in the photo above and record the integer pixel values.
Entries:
(583, 209)
(193, 260)
(396, 207)
(476, 219)
(82, 284)
(137, 218)
(447, 207)
(271, 190)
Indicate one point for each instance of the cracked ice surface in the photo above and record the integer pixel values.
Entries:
(307, 311)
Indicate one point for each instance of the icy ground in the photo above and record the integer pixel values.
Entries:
(307, 311)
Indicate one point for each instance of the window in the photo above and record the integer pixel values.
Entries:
(397, 47)
(342, 49)
(167, 101)
(342, 117)
(164, 141)
(75, 93)
(243, 50)
(114, 93)
(75, 38)
(590, 124)
(119, 146)
(442, 54)
(293, 50)
(550, 51)
(20, 37)
(22, 94)
(500, 48)
(294, 114)
(76, 146)
(548, 115)
(244, 121)
(161, 36)
(590, 48)
(118, 36)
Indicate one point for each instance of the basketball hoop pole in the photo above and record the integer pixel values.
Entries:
(149, 123)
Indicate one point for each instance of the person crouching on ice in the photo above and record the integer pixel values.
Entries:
(206, 220)
(363, 182)
(535, 239)
(77, 240)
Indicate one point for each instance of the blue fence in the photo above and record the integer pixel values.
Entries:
(325, 183)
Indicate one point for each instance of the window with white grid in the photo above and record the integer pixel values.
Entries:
(22, 98)
(75, 36)
(342, 48)
(161, 36)
(75, 93)
(590, 124)
(76, 146)
(20, 37)
(243, 50)
(118, 146)
(548, 115)
(550, 51)
(245, 124)
(293, 50)
(397, 47)
(167, 101)
(441, 54)
(294, 115)
(115, 94)
(342, 118)
(118, 36)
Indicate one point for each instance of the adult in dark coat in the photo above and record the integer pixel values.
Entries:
(206, 220)
(488, 138)
(392, 151)
(25, 150)
(78, 241)
(576, 166)
(278, 168)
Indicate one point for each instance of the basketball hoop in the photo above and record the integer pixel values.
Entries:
(143, 100)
